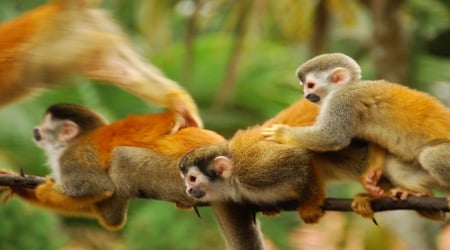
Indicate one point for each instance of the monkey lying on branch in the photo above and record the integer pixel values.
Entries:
(97, 167)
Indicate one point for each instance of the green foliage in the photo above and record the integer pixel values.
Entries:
(24, 227)
(158, 225)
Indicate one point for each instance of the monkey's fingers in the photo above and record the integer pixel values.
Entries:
(274, 133)
(8, 194)
(361, 205)
(402, 194)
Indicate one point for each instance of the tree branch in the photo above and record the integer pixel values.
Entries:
(20, 181)
(330, 204)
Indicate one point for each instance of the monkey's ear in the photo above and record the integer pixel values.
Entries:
(340, 75)
(69, 131)
(223, 166)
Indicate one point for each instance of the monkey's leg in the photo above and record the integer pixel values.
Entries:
(112, 213)
(310, 209)
(374, 170)
(436, 160)
(49, 195)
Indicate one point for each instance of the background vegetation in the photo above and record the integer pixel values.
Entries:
(238, 59)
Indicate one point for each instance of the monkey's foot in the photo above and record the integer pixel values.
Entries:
(183, 206)
(361, 205)
(402, 194)
(276, 133)
(271, 213)
(370, 181)
(309, 215)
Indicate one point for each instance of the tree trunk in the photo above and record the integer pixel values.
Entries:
(229, 82)
(319, 38)
(390, 48)
(189, 44)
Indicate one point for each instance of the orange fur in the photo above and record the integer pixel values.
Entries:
(148, 131)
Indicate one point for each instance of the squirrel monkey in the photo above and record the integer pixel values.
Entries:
(253, 170)
(97, 167)
(42, 47)
(412, 126)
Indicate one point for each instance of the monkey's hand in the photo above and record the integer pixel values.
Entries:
(361, 205)
(181, 103)
(279, 133)
(369, 181)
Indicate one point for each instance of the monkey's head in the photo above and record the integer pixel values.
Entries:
(324, 73)
(63, 123)
(206, 171)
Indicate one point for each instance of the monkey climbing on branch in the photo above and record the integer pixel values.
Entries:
(46, 45)
(97, 167)
(412, 126)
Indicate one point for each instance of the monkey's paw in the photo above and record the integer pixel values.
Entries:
(402, 194)
(310, 216)
(361, 205)
(369, 182)
(276, 133)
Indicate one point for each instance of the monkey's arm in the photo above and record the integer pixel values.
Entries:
(331, 132)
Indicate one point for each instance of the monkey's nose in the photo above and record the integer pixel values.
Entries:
(196, 192)
(36, 134)
(313, 97)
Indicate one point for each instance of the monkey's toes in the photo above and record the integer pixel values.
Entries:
(361, 205)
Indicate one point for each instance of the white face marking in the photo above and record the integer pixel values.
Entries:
(49, 142)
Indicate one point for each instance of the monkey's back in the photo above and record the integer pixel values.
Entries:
(271, 168)
(397, 117)
(152, 132)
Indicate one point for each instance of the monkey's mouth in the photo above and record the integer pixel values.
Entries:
(36, 134)
(196, 192)
(313, 98)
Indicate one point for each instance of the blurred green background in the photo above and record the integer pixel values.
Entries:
(238, 60)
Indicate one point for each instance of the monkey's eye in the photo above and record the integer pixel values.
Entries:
(192, 178)
(309, 85)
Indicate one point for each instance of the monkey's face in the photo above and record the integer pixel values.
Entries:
(53, 134)
(206, 182)
(313, 90)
